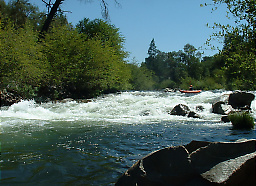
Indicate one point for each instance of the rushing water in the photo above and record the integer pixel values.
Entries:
(93, 143)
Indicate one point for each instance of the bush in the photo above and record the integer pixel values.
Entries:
(167, 83)
(242, 120)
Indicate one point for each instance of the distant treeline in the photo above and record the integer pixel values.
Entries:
(89, 59)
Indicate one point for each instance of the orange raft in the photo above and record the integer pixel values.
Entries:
(190, 91)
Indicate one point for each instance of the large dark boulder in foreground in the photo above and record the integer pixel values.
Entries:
(240, 100)
(169, 166)
(219, 162)
(197, 163)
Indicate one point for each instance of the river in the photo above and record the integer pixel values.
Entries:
(93, 143)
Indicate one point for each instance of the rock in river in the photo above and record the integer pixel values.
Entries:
(197, 163)
(240, 99)
(180, 110)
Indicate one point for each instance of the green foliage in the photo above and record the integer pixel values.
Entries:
(89, 59)
(152, 50)
(21, 12)
(242, 120)
(182, 68)
(240, 68)
(65, 63)
(22, 62)
(167, 84)
(239, 51)
(82, 66)
(103, 31)
(142, 78)
(233, 68)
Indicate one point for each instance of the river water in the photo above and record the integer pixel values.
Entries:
(93, 143)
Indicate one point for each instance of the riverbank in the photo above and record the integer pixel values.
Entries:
(9, 97)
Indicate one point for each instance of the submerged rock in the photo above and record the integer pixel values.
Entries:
(197, 163)
(200, 108)
(225, 119)
(192, 114)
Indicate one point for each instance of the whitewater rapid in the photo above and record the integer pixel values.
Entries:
(94, 143)
(125, 107)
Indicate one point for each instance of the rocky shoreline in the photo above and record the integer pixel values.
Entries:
(9, 97)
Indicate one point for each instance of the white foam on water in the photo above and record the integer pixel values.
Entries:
(126, 107)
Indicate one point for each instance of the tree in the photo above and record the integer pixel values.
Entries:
(244, 13)
(23, 66)
(56, 6)
(151, 62)
(192, 60)
(152, 50)
(104, 31)
(141, 77)
(81, 66)
(20, 12)
(2, 10)
(51, 14)
(239, 51)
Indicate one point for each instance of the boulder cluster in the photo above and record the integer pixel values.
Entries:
(184, 110)
(197, 163)
(237, 101)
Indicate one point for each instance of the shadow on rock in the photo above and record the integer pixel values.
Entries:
(197, 163)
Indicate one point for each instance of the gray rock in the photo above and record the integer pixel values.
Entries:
(169, 166)
(200, 108)
(240, 99)
(221, 108)
(197, 163)
(225, 119)
(194, 145)
(192, 114)
(180, 110)
(218, 162)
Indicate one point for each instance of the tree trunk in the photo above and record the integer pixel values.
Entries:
(50, 16)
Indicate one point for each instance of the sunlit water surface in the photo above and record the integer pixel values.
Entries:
(93, 143)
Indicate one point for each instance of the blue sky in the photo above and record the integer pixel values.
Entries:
(172, 23)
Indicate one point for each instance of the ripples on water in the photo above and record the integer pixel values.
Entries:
(94, 143)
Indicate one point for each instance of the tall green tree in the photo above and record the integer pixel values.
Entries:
(239, 50)
(152, 50)
(104, 31)
(19, 12)
(151, 61)
(192, 60)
